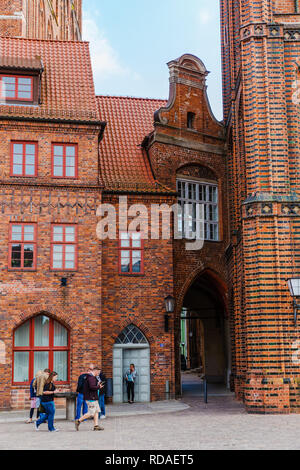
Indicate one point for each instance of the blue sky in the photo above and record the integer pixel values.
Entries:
(131, 42)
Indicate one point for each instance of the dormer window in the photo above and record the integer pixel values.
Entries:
(191, 120)
(16, 88)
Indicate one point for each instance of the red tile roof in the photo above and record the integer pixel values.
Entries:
(123, 164)
(67, 90)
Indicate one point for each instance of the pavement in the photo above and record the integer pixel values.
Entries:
(180, 425)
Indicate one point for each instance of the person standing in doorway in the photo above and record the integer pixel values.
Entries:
(90, 394)
(47, 401)
(81, 405)
(102, 391)
(130, 378)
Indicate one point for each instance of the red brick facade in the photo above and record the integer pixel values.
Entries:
(233, 292)
(41, 19)
(260, 49)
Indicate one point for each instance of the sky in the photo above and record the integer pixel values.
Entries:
(131, 42)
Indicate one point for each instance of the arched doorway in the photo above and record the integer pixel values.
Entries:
(131, 347)
(205, 337)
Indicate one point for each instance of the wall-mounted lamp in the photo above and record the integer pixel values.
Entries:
(294, 286)
(170, 307)
(64, 282)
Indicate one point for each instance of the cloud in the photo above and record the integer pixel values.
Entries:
(105, 59)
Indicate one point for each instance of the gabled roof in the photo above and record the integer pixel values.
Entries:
(67, 89)
(124, 165)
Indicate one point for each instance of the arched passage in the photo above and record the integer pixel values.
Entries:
(131, 347)
(205, 338)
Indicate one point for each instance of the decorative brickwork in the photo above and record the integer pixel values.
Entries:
(260, 49)
(41, 19)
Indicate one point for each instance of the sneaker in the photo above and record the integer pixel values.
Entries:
(98, 428)
(55, 430)
(103, 417)
(29, 421)
(77, 424)
(36, 426)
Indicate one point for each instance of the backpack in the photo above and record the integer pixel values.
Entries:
(81, 382)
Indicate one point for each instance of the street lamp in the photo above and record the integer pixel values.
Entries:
(294, 286)
(170, 307)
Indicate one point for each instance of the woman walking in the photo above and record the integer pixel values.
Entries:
(47, 402)
(35, 403)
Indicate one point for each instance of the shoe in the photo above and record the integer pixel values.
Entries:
(77, 424)
(103, 417)
(36, 427)
(55, 430)
(29, 421)
(98, 428)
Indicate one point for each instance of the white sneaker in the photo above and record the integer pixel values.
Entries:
(55, 430)
(103, 417)
(36, 426)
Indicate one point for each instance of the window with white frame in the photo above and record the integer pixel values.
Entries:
(199, 212)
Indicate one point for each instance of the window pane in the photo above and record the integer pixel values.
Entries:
(16, 233)
(60, 335)
(41, 361)
(17, 170)
(136, 261)
(16, 251)
(70, 172)
(24, 81)
(22, 335)
(18, 159)
(58, 234)
(28, 256)
(58, 150)
(41, 331)
(60, 365)
(28, 233)
(125, 265)
(58, 171)
(70, 151)
(70, 234)
(21, 367)
(58, 161)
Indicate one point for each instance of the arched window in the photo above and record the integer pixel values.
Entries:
(40, 343)
(131, 335)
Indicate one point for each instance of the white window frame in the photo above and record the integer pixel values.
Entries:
(197, 194)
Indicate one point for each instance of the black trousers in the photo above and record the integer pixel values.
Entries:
(130, 391)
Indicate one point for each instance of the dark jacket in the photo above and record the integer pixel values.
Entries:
(32, 390)
(102, 378)
(90, 392)
(80, 384)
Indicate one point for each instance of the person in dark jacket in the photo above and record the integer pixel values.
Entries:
(81, 404)
(35, 403)
(90, 394)
(102, 391)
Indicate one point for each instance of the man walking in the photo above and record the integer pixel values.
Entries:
(90, 394)
(130, 378)
(81, 404)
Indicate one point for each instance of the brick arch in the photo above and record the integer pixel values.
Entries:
(208, 171)
(139, 324)
(23, 317)
(220, 284)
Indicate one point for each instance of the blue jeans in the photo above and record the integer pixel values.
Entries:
(79, 404)
(102, 405)
(49, 415)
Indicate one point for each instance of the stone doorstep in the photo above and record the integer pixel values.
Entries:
(113, 411)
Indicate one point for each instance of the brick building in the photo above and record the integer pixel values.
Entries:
(67, 297)
(260, 52)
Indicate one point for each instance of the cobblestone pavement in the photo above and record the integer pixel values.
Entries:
(221, 424)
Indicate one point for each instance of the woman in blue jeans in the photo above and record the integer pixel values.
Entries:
(47, 401)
